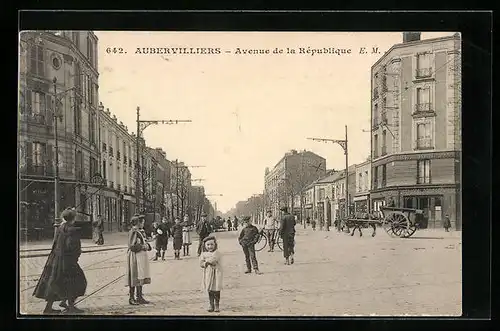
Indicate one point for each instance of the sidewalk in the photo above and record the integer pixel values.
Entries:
(111, 240)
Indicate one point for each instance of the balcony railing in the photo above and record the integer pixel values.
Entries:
(39, 170)
(424, 143)
(423, 107)
(36, 118)
(384, 150)
(423, 73)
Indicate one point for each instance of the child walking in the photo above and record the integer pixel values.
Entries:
(177, 234)
(210, 262)
(186, 236)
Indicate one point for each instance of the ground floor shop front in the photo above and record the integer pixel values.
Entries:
(435, 201)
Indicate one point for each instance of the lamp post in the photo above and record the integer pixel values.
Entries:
(141, 126)
(56, 147)
(343, 144)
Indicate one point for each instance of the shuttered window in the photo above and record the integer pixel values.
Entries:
(37, 60)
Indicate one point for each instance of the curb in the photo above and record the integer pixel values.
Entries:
(83, 252)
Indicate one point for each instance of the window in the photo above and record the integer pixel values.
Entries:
(38, 106)
(76, 39)
(384, 175)
(423, 172)
(375, 115)
(78, 165)
(104, 169)
(93, 128)
(36, 60)
(321, 194)
(375, 177)
(78, 78)
(360, 183)
(423, 65)
(423, 99)
(375, 145)
(90, 50)
(78, 117)
(366, 181)
(38, 154)
(93, 167)
(384, 142)
(424, 139)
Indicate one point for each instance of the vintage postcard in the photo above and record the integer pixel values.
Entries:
(239, 173)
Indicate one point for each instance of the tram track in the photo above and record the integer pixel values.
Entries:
(86, 268)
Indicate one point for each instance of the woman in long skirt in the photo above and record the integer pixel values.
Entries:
(62, 278)
(186, 235)
(177, 234)
(137, 261)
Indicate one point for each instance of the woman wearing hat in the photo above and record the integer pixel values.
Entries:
(137, 261)
(62, 278)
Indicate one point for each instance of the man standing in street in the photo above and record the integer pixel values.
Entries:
(203, 230)
(249, 236)
(287, 233)
(270, 228)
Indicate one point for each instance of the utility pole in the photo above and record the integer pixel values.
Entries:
(141, 126)
(343, 144)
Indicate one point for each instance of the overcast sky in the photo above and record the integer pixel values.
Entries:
(247, 110)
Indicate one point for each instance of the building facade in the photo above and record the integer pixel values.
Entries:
(58, 82)
(361, 197)
(416, 126)
(339, 192)
(289, 177)
(117, 199)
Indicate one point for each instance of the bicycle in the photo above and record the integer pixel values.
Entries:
(263, 240)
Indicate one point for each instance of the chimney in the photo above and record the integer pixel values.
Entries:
(411, 36)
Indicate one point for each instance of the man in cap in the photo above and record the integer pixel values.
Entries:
(287, 233)
(249, 236)
(203, 230)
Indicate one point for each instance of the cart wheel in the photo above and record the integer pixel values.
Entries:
(396, 224)
(410, 231)
(262, 243)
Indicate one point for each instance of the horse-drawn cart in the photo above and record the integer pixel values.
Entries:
(397, 222)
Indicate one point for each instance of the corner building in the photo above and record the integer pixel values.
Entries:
(416, 127)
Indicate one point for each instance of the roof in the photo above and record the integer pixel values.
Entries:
(332, 178)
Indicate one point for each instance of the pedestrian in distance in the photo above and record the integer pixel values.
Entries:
(62, 278)
(137, 274)
(249, 236)
(203, 230)
(186, 235)
(229, 225)
(287, 233)
(211, 263)
(328, 224)
(447, 223)
(270, 226)
(97, 230)
(235, 224)
(161, 233)
(313, 224)
(177, 235)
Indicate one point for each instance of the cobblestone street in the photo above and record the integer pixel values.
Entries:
(334, 275)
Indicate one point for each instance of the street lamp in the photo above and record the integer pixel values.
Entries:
(56, 147)
(343, 144)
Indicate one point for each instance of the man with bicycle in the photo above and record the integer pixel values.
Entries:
(270, 226)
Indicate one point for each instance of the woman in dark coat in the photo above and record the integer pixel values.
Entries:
(177, 235)
(62, 278)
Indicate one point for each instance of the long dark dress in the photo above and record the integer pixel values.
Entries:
(62, 278)
(177, 234)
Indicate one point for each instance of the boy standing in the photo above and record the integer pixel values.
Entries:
(249, 236)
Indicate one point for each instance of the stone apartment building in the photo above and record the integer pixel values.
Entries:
(117, 199)
(361, 198)
(416, 127)
(58, 81)
(295, 171)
